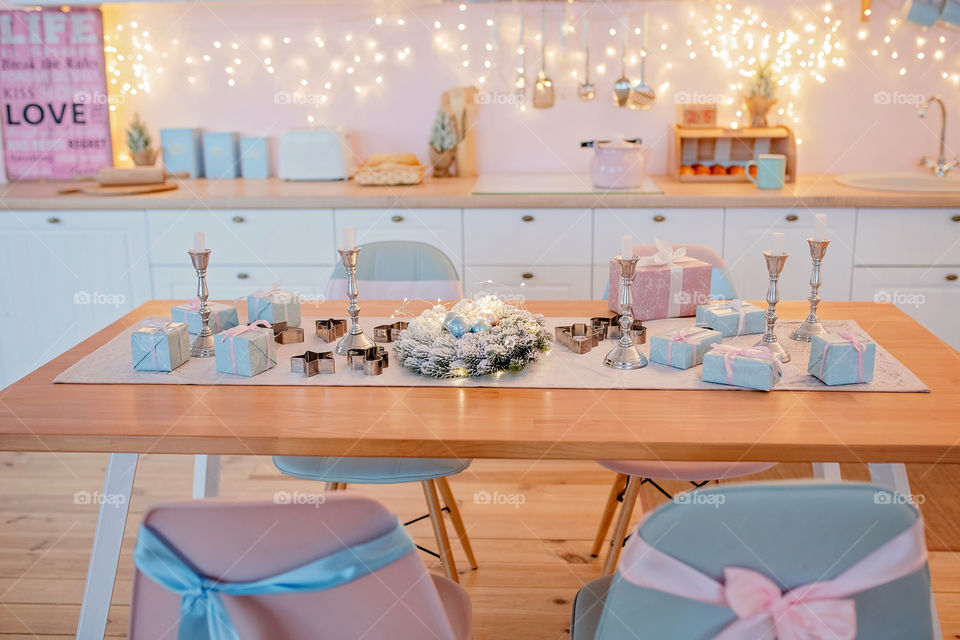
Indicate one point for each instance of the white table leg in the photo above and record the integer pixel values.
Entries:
(206, 476)
(827, 471)
(105, 554)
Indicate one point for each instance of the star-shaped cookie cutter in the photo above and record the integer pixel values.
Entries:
(389, 332)
(331, 329)
(579, 337)
(371, 361)
(610, 327)
(310, 363)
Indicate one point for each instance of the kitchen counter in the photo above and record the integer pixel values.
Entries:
(809, 191)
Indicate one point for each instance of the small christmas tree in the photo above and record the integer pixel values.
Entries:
(763, 83)
(138, 138)
(443, 135)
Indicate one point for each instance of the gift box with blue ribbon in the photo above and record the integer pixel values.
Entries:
(752, 367)
(844, 357)
(684, 348)
(246, 350)
(274, 305)
(222, 316)
(732, 317)
(160, 346)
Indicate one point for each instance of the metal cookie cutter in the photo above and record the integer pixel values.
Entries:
(331, 329)
(611, 328)
(310, 363)
(579, 338)
(286, 335)
(389, 332)
(371, 361)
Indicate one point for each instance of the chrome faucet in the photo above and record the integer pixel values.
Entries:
(942, 165)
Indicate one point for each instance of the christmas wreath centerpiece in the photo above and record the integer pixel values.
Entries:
(474, 338)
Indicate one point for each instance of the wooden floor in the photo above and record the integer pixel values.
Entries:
(533, 549)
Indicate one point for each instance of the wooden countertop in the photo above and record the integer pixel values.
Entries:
(809, 191)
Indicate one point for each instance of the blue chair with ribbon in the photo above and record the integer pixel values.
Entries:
(779, 561)
(388, 271)
(302, 566)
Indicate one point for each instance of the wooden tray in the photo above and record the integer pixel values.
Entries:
(710, 146)
(125, 190)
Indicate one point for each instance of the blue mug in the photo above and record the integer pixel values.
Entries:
(771, 170)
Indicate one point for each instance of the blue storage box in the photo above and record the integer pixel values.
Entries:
(246, 350)
(222, 316)
(842, 358)
(220, 155)
(732, 317)
(753, 367)
(274, 305)
(254, 159)
(182, 151)
(685, 348)
(160, 346)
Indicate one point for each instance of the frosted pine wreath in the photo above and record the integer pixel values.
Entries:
(475, 338)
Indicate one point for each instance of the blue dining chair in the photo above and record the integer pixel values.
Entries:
(693, 562)
(391, 270)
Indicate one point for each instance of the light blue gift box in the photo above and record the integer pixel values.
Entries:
(725, 317)
(254, 161)
(274, 305)
(220, 155)
(834, 359)
(755, 372)
(245, 353)
(160, 346)
(222, 316)
(683, 354)
(182, 151)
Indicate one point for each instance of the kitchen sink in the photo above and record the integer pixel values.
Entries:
(916, 182)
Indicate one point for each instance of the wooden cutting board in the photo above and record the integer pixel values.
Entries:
(126, 190)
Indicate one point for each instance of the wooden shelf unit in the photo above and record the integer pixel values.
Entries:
(728, 147)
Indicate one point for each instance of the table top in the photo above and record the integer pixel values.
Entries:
(37, 415)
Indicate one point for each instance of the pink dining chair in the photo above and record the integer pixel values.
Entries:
(631, 475)
(228, 542)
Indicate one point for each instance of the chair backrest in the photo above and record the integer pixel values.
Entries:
(795, 533)
(398, 269)
(241, 541)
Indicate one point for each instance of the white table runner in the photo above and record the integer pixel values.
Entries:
(561, 369)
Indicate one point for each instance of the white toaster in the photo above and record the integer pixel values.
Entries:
(316, 153)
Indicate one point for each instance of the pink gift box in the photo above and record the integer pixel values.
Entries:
(665, 291)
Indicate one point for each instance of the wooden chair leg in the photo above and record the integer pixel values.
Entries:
(440, 529)
(608, 510)
(451, 503)
(623, 521)
(330, 486)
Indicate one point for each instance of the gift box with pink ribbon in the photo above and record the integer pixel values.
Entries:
(684, 348)
(274, 305)
(246, 350)
(845, 357)
(751, 367)
(667, 284)
(732, 317)
(222, 316)
(160, 346)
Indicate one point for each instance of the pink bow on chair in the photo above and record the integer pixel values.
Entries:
(858, 344)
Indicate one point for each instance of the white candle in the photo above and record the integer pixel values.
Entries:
(348, 238)
(777, 244)
(626, 247)
(198, 239)
(820, 227)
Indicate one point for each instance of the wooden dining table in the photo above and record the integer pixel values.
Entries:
(824, 428)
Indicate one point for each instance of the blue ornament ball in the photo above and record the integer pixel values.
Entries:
(480, 324)
(457, 326)
(447, 318)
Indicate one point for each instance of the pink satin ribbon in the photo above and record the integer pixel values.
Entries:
(274, 288)
(681, 336)
(194, 305)
(729, 352)
(858, 345)
(164, 328)
(733, 305)
(815, 611)
(667, 256)
(260, 326)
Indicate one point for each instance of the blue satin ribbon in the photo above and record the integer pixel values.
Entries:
(202, 614)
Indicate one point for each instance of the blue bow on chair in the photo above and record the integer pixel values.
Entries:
(202, 614)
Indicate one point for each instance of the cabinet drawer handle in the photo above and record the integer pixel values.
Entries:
(242, 276)
(659, 218)
(792, 217)
(239, 219)
(527, 276)
(952, 276)
(956, 218)
(397, 218)
(527, 218)
(53, 220)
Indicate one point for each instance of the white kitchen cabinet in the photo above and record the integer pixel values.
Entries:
(231, 283)
(748, 232)
(676, 226)
(532, 282)
(441, 228)
(908, 237)
(930, 295)
(527, 237)
(67, 275)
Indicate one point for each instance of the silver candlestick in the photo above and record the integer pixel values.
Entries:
(202, 346)
(811, 326)
(355, 338)
(769, 340)
(626, 355)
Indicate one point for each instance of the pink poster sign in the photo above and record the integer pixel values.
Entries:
(53, 92)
